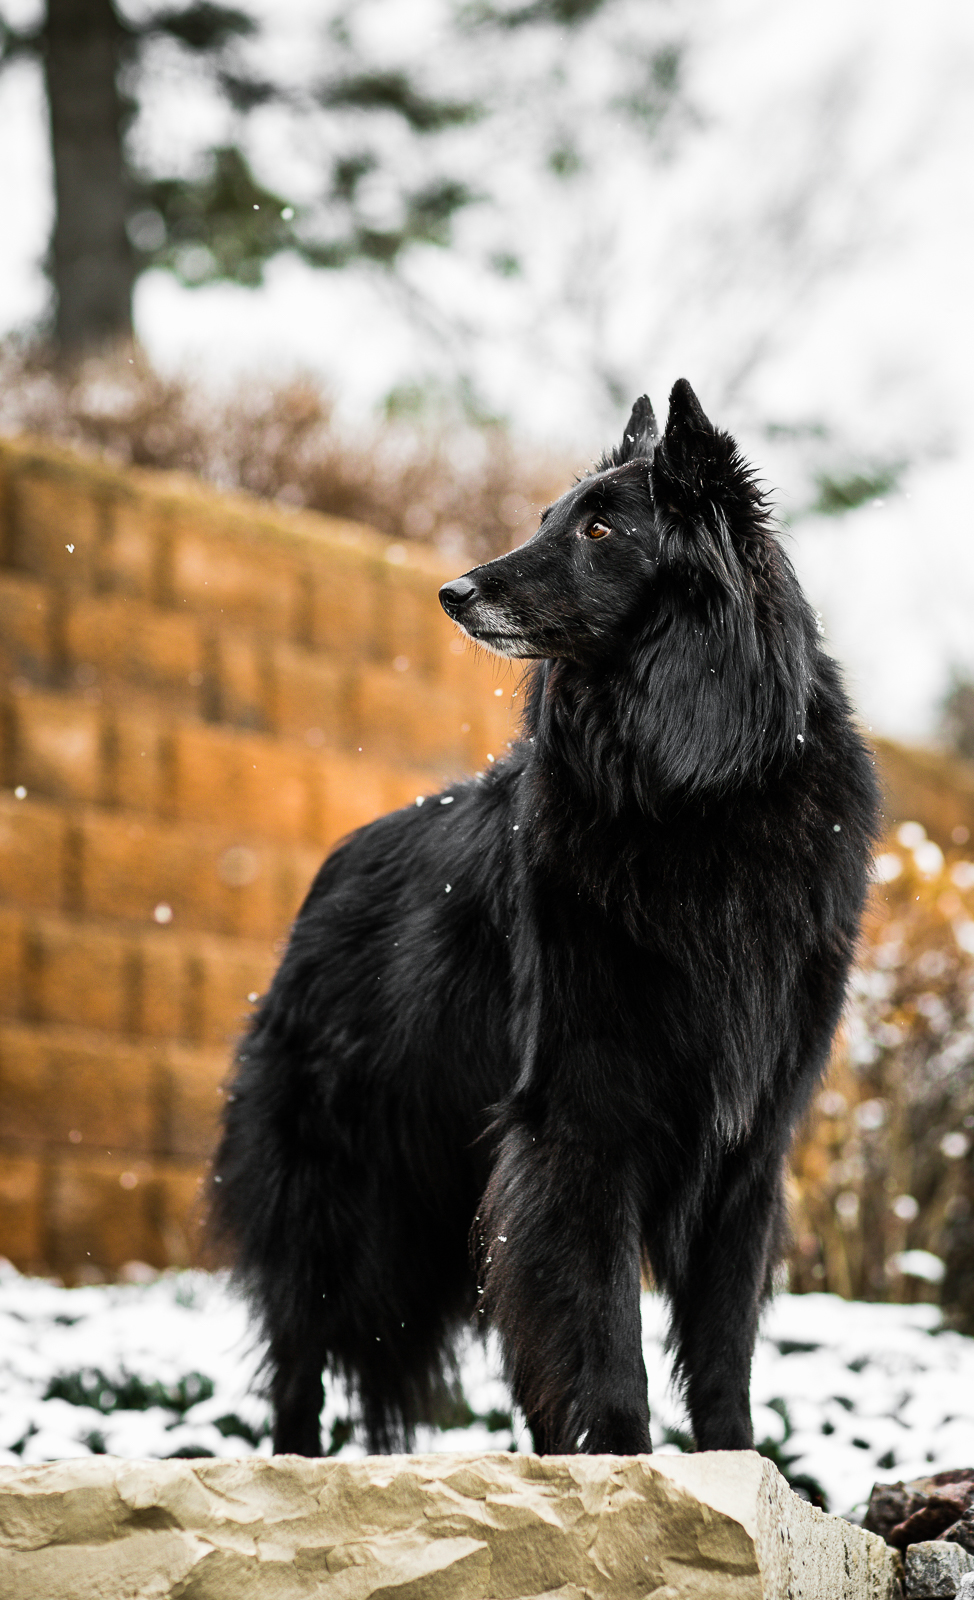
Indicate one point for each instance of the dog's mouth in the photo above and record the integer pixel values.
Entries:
(510, 645)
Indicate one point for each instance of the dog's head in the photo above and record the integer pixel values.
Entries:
(677, 515)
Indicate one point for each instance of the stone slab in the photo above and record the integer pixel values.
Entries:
(439, 1527)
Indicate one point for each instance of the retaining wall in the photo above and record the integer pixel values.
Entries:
(198, 695)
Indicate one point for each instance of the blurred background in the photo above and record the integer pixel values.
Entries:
(405, 264)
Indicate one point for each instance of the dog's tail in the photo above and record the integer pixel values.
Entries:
(330, 1224)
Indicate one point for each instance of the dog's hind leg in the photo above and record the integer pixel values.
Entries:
(349, 1267)
(560, 1260)
(717, 1282)
(296, 1393)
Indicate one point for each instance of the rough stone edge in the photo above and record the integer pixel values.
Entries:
(801, 1551)
(794, 1539)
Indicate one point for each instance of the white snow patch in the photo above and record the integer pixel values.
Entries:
(847, 1393)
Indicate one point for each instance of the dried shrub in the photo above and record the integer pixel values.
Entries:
(460, 485)
(884, 1169)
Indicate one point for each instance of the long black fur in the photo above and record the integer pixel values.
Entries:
(576, 1004)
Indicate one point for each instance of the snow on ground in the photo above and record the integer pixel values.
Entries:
(844, 1393)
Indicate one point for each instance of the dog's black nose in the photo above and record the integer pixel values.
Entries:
(454, 596)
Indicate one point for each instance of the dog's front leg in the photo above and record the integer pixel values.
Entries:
(559, 1258)
(717, 1281)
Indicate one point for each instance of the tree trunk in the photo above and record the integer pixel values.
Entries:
(91, 262)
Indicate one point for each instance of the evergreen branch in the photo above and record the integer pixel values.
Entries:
(392, 91)
(202, 27)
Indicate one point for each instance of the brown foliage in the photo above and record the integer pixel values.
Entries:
(465, 487)
(885, 1164)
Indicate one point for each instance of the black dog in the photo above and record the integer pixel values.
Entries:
(576, 1003)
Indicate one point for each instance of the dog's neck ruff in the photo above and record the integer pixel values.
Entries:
(670, 727)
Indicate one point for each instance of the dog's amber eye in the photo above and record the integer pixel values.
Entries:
(597, 530)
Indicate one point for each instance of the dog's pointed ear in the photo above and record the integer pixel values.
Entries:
(641, 434)
(686, 464)
(687, 428)
(699, 477)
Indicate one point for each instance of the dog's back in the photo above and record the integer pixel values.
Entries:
(577, 1003)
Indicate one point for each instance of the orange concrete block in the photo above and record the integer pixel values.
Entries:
(229, 974)
(57, 746)
(291, 868)
(208, 771)
(177, 1204)
(57, 528)
(402, 788)
(6, 524)
(297, 867)
(97, 1215)
(136, 649)
(133, 554)
(165, 1003)
(12, 963)
(253, 584)
(25, 630)
(495, 722)
(354, 793)
(411, 620)
(195, 988)
(455, 662)
(195, 1080)
(278, 791)
(242, 781)
(279, 787)
(144, 872)
(106, 1090)
(346, 602)
(21, 1222)
(193, 878)
(24, 1085)
(138, 763)
(475, 673)
(402, 718)
(81, 975)
(309, 696)
(417, 628)
(32, 853)
(240, 672)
